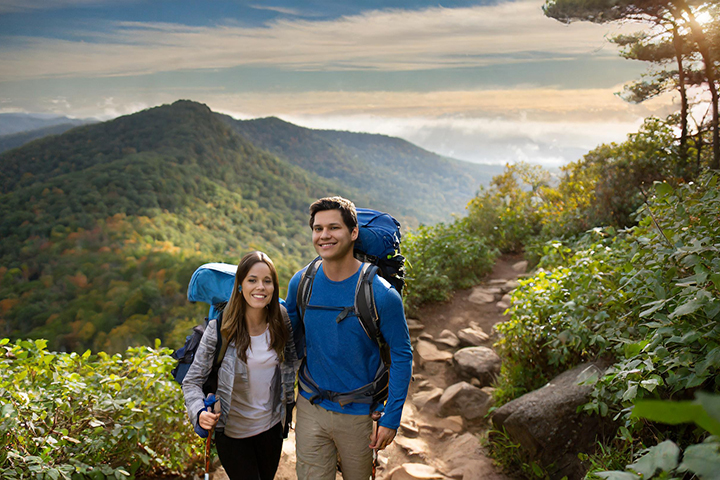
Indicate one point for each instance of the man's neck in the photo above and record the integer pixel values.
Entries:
(341, 269)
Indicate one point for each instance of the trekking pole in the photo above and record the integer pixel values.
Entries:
(375, 416)
(210, 406)
(207, 454)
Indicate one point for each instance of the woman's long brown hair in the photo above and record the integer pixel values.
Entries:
(234, 326)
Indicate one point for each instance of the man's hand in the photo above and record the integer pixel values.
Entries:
(381, 438)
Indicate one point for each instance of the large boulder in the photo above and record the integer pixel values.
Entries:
(463, 399)
(478, 362)
(547, 425)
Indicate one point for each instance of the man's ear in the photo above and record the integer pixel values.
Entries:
(354, 233)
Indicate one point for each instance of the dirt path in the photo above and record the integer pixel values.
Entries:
(442, 448)
(438, 442)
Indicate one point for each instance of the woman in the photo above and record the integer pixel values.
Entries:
(256, 377)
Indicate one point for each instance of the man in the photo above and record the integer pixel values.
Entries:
(340, 357)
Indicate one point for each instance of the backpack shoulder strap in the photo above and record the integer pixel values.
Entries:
(367, 310)
(305, 286)
(221, 345)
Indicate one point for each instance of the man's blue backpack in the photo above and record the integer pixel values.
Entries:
(211, 283)
(378, 243)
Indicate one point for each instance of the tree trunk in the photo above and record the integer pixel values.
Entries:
(705, 53)
(678, 44)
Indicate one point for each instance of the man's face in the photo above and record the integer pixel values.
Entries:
(332, 239)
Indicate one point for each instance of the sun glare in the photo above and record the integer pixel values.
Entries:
(704, 18)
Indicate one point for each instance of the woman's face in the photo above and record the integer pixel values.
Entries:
(257, 286)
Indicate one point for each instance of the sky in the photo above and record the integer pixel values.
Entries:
(483, 81)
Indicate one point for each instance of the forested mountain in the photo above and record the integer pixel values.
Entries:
(415, 185)
(14, 140)
(102, 226)
(22, 122)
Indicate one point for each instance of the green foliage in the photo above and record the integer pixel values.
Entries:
(607, 186)
(514, 459)
(506, 213)
(562, 316)
(72, 416)
(444, 258)
(102, 227)
(647, 299)
(664, 460)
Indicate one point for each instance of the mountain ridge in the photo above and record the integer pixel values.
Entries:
(102, 226)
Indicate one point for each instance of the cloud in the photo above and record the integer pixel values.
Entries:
(387, 40)
(533, 104)
(283, 10)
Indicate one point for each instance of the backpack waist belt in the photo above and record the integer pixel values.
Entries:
(373, 393)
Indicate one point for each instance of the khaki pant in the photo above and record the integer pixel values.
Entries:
(321, 435)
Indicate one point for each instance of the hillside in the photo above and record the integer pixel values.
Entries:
(23, 122)
(102, 226)
(14, 140)
(415, 185)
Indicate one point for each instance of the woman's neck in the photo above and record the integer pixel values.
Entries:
(256, 320)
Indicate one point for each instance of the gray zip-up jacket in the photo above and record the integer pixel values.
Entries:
(282, 386)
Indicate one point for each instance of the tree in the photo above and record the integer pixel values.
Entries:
(678, 16)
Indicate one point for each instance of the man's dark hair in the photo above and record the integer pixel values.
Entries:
(346, 207)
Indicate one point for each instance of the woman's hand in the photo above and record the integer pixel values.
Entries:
(208, 420)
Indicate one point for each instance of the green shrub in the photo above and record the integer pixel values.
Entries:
(648, 298)
(666, 460)
(72, 416)
(443, 258)
(507, 212)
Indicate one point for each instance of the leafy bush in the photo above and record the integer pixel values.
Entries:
(507, 212)
(443, 258)
(561, 317)
(71, 416)
(663, 460)
(648, 298)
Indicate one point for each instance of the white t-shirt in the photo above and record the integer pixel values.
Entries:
(251, 408)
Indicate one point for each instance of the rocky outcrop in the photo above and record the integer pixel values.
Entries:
(546, 423)
(477, 362)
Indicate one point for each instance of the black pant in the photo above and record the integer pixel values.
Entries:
(252, 458)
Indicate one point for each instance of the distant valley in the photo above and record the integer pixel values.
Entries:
(102, 225)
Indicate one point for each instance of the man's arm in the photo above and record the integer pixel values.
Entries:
(291, 307)
(395, 331)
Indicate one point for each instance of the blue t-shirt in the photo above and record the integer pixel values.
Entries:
(340, 356)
